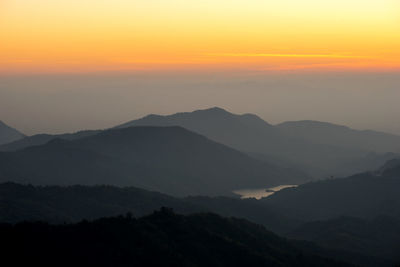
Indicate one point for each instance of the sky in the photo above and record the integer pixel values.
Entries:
(99, 35)
(67, 65)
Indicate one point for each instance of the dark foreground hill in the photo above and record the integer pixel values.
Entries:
(8, 134)
(161, 239)
(364, 195)
(57, 204)
(172, 160)
(378, 237)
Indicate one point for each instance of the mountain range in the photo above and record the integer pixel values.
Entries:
(192, 162)
(172, 160)
(317, 148)
(321, 149)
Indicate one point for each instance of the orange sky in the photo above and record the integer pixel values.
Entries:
(101, 35)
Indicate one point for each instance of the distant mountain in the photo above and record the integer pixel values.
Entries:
(337, 135)
(161, 239)
(319, 149)
(8, 134)
(365, 195)
(172, 160)
(249, 133)
(41, 139)
(378, 237)
(241, 131)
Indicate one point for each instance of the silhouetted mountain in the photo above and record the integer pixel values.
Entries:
(378, 237)
(161, 239)
(215, 123)
(41, 139)
(172, 160)
(252, 135)
(74, 203)
(338, 135)
(8, 134)
(364, 195)
(319, 149)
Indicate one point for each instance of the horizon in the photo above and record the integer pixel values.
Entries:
(62, 103)
(190, 111)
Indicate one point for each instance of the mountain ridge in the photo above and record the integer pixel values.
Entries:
(364, 195)
(335, 150)
(9, 134)
(168, 159)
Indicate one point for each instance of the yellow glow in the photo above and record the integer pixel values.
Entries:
(90, 35)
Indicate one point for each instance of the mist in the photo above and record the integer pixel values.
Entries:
(60, 103)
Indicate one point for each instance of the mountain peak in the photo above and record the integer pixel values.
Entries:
(214, 109)
(211, 111)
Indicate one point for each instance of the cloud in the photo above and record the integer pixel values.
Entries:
(283, 55)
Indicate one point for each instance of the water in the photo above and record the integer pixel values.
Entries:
(259, 193)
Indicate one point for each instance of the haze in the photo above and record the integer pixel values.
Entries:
(71, 102)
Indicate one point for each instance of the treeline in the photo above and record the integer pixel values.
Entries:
(160, 239)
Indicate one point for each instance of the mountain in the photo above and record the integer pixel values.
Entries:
(58, 204)
(365, 195)
(319, 149)
(277, 144)
(241, 131)
(8, 134)
(338, 135)
(41, 139)
(172, 160)
(161, 239)
(378, 237)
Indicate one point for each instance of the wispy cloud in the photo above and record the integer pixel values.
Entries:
(283, 55)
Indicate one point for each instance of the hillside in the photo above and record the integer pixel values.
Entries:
(176, 240)
(71, 204)
(364, 195)
(58, 204)
(378, 237)
(172, 160)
